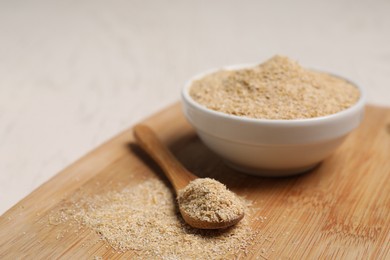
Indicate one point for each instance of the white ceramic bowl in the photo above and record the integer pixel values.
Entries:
(267, 147)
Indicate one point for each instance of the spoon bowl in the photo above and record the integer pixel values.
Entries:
(208, 225)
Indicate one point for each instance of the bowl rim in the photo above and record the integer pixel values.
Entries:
(300, 121)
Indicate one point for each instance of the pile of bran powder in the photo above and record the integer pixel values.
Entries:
(145, 219)
(277, 89)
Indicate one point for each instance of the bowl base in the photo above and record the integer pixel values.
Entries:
(262, 172)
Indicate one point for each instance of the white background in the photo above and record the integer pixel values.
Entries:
(74, 73)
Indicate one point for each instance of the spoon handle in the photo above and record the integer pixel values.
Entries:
(173, 169)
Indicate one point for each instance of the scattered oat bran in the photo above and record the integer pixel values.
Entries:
(146, 220)
(208, 200)
(277, 89)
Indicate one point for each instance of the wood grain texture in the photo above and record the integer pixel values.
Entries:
(341, 209)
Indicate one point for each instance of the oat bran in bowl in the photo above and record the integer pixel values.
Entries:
(272, 119)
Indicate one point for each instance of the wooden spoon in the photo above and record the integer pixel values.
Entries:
(176, 173)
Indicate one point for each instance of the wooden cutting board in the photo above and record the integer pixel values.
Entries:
(339, 210)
